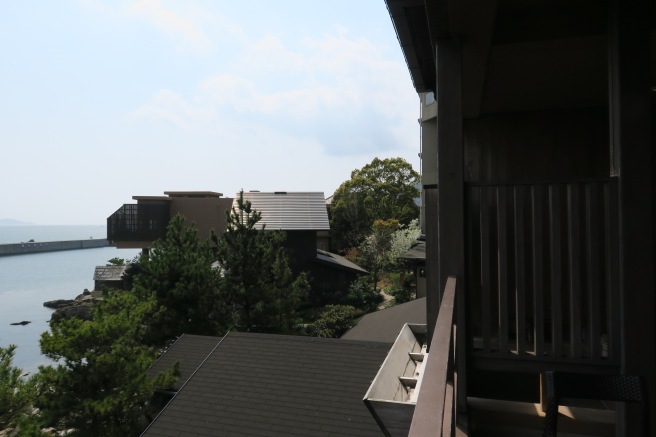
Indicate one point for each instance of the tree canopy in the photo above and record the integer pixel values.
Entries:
(256, 280)
(99, 386)
(178, 272)
(384, 189)
(16, 393)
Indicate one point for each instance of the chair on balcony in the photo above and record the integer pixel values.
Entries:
(621, 388)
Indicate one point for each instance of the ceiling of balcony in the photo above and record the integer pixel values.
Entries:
(516, 55)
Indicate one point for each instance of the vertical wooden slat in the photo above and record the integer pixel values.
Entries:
(502, 269)
(593, 247)
(556, 270)
(538, 271)
(574, 268)
(432, 268)
(612, 274)
(485, 268)
(474, 260)
(520, 271)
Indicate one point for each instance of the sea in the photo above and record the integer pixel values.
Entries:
(26, 281)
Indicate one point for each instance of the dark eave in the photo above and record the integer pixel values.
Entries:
(412, 30)
(515, 55)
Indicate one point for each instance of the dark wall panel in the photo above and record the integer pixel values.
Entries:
(537, 146)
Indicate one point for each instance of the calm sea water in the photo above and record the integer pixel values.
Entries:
(26, 281)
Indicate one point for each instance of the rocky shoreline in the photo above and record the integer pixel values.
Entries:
(79, 307)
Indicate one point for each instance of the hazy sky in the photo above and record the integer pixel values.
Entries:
(103, 100)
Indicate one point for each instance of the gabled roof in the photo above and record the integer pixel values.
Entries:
(289, 211)
(276, 385)
(190, 351)
(385, 325)
(109, 273)
(337, 261)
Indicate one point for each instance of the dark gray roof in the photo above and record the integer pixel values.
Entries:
(190, 351)
(416, 253)
(385, 325)
(109, 273)
(338, 261)
(276, 385)
(289, 211)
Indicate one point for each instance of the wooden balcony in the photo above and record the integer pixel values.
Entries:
(542, 274)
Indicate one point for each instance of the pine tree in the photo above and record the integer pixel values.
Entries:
(178, 271)
(257, 282)
(99, 386)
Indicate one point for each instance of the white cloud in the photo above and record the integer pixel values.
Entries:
(171, 107)
(342, 92)
(185, 25)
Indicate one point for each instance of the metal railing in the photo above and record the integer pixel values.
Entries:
(138, 222)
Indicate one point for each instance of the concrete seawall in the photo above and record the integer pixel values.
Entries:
(50, 246)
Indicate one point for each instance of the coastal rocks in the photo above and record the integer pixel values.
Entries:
(23, 323)
(79, 307)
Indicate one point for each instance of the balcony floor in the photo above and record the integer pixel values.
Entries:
(489, 417)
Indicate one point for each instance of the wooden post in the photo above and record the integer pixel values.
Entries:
(451, 206)
(631, 132)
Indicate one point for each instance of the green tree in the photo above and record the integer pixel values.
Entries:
(99, 386)
(362, 296)
(116, 261)
(381, 190)
(333, 321)
(374, 250)
(16, 393)
(257, 282)
(178, 272)
(401, 241)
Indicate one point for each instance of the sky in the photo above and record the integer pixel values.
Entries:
(103, 100)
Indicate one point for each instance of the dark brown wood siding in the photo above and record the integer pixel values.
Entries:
(540, 145)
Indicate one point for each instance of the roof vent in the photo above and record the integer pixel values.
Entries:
(280, 192)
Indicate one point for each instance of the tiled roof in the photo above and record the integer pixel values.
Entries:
(385, 325)
(416, 253)
(108, 273)
(335, 260)
(190, 351)
(289, 211)
(276, 385)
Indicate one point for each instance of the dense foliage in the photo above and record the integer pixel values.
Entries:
(99, 386)
(178, 272)
(256, 280)
(16, 393)
(381, 190)
(333, 321)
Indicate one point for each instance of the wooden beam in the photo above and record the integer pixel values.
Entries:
(631, 116)
(451, 210)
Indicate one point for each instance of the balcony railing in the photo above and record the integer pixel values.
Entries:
(435, 411)
(542, 281)
(138, 222)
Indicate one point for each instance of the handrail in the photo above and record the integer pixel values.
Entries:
(434, 412)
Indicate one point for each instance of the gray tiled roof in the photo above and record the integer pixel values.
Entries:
(289, 211)
(109, 273)
(190, 351)
(385, 325)
(416, 253)
(276, 385)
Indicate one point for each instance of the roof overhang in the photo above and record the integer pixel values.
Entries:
(516, 56)
(410, 21)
